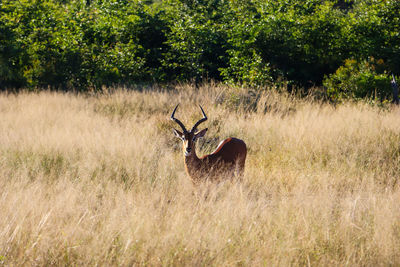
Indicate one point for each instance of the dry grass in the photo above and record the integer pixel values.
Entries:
(99, 180)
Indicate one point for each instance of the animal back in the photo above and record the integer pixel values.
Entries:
(229, 150)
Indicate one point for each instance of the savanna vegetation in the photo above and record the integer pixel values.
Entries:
(85, 44)
(91, 173)
(99, 179)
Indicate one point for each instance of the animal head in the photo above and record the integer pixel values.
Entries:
(189, 138)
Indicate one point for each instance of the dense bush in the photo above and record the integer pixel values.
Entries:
(74, 45)
(87, 44)
(299, 41)
(359, 80)
(197, 39)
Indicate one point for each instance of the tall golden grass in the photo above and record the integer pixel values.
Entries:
(100, 180)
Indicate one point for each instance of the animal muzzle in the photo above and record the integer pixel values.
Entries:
(188, 151)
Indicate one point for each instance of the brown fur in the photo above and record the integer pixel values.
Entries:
(226, 160)
(229, 158)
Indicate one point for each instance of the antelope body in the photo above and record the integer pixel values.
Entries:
(229, 157)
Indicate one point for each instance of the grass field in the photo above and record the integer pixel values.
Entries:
(100, 180)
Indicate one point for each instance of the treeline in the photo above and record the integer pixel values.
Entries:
(350, 47)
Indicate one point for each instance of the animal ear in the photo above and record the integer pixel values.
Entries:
(178, 134)
(201, 133)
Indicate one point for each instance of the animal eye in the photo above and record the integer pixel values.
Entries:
(194, 139)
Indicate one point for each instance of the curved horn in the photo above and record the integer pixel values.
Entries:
(178, 121)
(200, 121)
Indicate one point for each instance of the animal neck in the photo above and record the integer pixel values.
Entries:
(193, 165)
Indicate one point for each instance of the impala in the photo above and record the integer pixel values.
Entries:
(226, 160)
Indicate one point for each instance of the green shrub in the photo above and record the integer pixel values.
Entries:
(196, 39)
(365, 79)
(86, 44)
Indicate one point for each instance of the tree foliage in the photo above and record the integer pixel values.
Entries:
(87, 44)
(365, 79)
